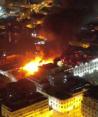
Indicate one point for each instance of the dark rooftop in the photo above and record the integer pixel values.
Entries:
(18, 104)
(72, 86)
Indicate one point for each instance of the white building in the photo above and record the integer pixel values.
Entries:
(86, 68)
(70, 107)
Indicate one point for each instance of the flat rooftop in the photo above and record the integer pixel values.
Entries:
(71, 87)
(19, 104)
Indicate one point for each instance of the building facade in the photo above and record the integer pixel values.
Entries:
(38, 109)
(70, 107)
(89, 107)
(86, 68)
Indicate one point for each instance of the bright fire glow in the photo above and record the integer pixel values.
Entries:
(33, 66)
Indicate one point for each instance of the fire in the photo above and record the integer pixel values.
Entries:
(33, 66)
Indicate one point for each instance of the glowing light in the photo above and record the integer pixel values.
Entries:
(95, 60)
(29, 26)
(2, 11)
(60, 63)
(33, 66)
(40, 43)
(34, 35)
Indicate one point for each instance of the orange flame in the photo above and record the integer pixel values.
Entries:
(33, 66)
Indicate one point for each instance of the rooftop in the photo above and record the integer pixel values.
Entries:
(71, 86)
(18, 104)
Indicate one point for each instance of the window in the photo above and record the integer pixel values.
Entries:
(61, 106)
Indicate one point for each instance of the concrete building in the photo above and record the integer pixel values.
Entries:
(90, 103)
(70, 107)
(86, 68)
(35, 107)
(66, 99)
(20, 99)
